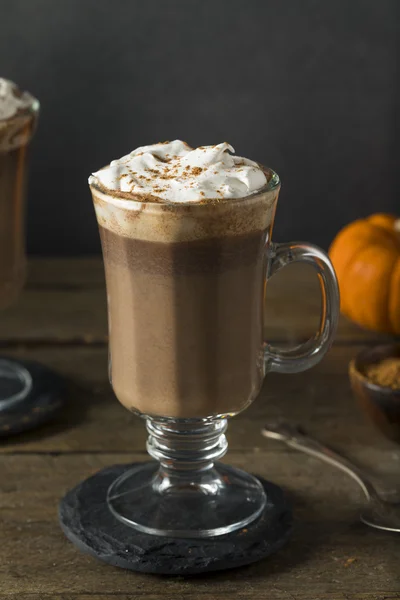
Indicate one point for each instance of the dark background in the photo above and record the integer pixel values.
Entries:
(308, 87)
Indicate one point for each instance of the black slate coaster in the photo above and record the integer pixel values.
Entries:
(89, 524)
(39, 406)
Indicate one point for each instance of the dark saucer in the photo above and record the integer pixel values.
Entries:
(87, 521)
(41, 403)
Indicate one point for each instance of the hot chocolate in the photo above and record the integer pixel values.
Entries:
(184, 234)
(18, 115)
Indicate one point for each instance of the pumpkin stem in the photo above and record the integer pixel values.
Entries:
(396, 226)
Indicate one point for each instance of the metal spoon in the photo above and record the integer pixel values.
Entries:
(378, 513)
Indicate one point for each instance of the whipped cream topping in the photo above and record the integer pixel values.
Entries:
(175, 172)
(12, 99)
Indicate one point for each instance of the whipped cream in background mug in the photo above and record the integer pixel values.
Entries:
(12, 100)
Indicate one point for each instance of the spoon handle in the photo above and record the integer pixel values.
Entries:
(292, 437)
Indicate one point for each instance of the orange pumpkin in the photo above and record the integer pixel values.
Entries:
(366, 257)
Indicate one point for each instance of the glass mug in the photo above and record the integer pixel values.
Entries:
(186, 288)
(16, 133)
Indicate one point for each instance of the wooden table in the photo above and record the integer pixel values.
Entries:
(60, 321)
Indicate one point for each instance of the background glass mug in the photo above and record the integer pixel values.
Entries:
(16, 132)
(186, 288)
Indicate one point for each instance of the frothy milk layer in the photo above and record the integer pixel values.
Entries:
(164, 217)
(180, 222)
(12, 100)
(175, 172)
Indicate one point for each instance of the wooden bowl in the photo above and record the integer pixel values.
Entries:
(381, 404)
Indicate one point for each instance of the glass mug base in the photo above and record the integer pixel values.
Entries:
(186, 494)
(226, 499)
(15, 383)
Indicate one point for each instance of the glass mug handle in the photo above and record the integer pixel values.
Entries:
(307, 354)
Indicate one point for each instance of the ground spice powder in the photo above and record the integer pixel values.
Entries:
(385, 372)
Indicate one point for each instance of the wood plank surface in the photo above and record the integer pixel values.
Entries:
(60, 321)
(330, 552)
(249, 593)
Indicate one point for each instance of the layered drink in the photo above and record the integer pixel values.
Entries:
(18, 116)
(184, 234)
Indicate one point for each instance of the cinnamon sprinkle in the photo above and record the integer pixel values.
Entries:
(197, 170)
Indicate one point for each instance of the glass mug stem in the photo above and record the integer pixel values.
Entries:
(181, 447)
(309, 353)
